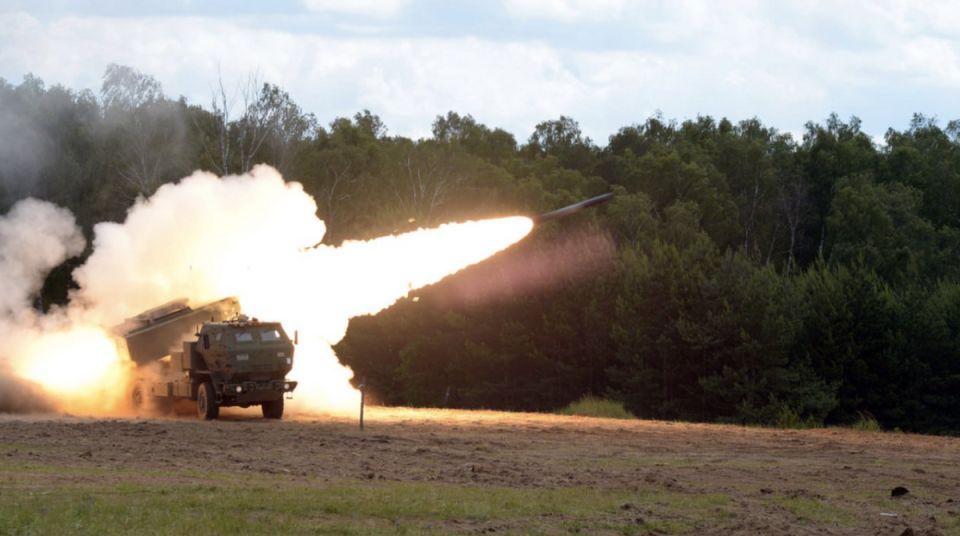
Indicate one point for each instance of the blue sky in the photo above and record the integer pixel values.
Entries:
(514, 63)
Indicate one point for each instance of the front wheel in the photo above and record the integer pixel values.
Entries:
(273, 409)
(207, 407)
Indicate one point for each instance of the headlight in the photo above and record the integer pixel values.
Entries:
(286, 387)
(239, 388)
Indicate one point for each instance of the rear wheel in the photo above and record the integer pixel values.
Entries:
(137, 396)
(207, 406)
(273, 409)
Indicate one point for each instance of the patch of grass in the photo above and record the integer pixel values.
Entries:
(672, 512)
(34, 471)
(817, 510)
(37, 472)
(640, 462)
(591, 406)
(788, 418)
(633, 462)
(665, 526)
(866, 423)
(154, 505)
(24, 447)
(685, 501)
(952, 525)
(653, 526)
(341, 508)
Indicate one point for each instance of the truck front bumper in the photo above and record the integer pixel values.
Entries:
(253, 392)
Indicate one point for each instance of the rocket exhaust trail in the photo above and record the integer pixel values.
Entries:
(572, 209)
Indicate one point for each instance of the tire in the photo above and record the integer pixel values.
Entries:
(207, 407)
(138, 397)
(273, 409)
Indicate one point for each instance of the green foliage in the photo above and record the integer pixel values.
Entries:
(788, 418)
(880, 226)
(592, 406)
(866, 423)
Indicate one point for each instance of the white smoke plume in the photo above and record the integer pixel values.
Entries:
(207, 238)
(201, 238)
(35, 236)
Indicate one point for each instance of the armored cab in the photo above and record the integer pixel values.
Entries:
(246, 361)
(202, 355)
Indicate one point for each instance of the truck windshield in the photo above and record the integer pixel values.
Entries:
(270, 335)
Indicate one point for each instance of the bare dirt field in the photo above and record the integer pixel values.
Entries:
(651, 477)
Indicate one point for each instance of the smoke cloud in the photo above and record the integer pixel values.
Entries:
(25, 150)
(35, 236)
(203, 238)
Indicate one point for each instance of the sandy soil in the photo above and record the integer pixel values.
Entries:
(766, 473)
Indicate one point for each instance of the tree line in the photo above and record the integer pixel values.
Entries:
(739, 273)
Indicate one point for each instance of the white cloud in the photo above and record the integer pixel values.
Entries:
(382, 9)
(502, 83)
(408, 82)
(564, 10)
(786, 63)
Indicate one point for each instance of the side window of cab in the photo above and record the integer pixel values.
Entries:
(243, 336)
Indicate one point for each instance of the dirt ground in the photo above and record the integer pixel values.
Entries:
(827, 481)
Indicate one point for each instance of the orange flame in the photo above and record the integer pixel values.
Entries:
(81, 369)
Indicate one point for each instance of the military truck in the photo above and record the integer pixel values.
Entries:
(213, 355)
